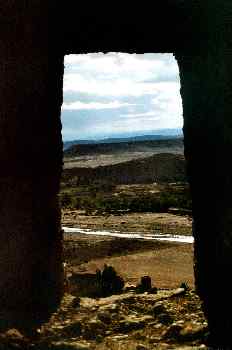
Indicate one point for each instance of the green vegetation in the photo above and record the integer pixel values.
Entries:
(106, 198)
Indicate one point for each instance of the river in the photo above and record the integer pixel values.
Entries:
(132, 235)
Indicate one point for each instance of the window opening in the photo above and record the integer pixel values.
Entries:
(124, 170)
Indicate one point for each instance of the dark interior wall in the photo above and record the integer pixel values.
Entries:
(31, 78)
(164, 26)
(207, 105)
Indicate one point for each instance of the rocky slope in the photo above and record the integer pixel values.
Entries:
(167, 320)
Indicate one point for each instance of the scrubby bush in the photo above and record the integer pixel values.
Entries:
(100, 199)
(67, 200)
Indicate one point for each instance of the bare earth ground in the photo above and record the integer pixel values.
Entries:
(93, 161)
(167, 264)
(167, 267)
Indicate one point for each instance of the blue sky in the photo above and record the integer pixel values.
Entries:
(111, 94)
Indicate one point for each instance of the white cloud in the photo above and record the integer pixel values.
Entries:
(139, 115)
(118, 74)
(97, 86)
(135, 66)
(117, 87)
(78, 105)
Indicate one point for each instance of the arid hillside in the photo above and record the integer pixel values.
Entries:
(165, 167)
(101, 154)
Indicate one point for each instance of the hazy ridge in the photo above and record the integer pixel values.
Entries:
(153, 136)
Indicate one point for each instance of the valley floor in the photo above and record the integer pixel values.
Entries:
(168, 264)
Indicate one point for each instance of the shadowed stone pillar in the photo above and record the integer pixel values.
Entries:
(206, 78)
(31, 74)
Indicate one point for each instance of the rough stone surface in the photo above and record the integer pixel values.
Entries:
(69, 346)
(105, 317)
(132, 325)
(93, 329)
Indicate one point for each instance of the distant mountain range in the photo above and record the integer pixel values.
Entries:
(162, 134)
